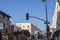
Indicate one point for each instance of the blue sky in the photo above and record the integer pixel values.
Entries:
(18, 8)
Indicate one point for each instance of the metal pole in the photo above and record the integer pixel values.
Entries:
(47, 27)
(46, 11)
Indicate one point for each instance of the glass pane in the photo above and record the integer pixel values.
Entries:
(6, 18)
(1, 25)
(1, 16)
(7, 29)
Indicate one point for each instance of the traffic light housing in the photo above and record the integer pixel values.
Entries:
(27, 16)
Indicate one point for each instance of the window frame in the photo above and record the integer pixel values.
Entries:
(2, 23)
(28, 26)
(8, 29)
(1, 15)
(6, 18)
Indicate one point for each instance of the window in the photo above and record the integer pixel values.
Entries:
(23, 26)
(7, 29)
(1, 16)
(1, 25)
(6, 18)
(27, 26)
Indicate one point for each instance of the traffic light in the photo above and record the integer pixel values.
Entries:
(27, 16)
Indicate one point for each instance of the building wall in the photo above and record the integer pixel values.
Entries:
(6, 24)
(24, 26)
(27, 26)
(16, 28)
(55, 26)
(56, 18)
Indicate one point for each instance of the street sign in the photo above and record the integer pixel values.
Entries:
(46, 22)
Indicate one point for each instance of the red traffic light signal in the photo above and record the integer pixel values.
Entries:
(27, 16)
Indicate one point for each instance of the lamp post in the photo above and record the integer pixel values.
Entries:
(47, 26)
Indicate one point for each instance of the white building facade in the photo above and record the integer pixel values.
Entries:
(16, 28)
(56, 21)
(28, 26)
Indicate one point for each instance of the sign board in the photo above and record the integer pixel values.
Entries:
(46, 22)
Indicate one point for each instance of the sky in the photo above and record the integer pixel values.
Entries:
(17, 9)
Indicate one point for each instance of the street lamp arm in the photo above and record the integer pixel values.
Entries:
(37, 18)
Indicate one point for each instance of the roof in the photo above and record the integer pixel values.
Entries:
(4, 14)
